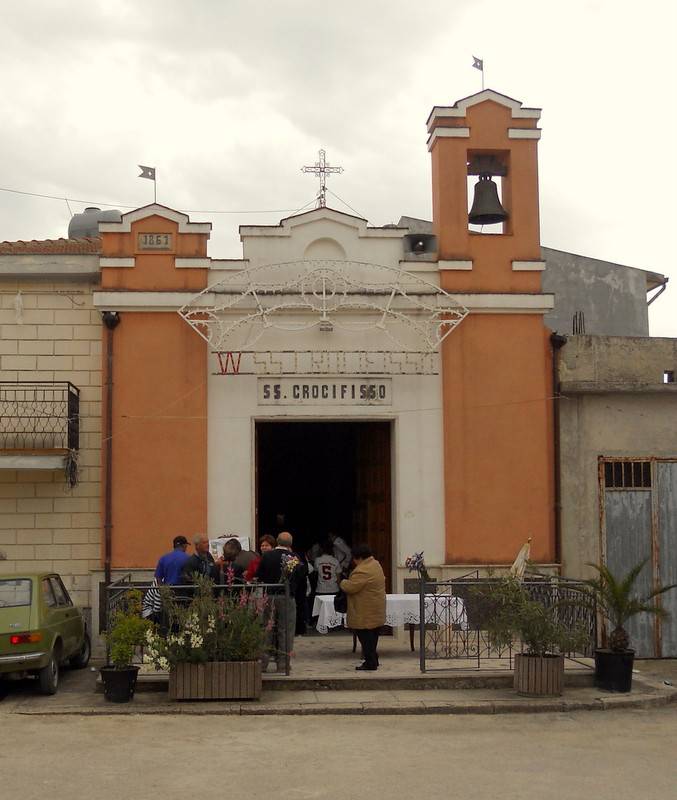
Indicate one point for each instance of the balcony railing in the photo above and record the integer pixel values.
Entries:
(39, 416)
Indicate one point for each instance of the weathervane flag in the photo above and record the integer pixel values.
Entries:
(478, 63)
(149, 172)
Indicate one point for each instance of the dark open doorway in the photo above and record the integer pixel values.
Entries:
(326, 476)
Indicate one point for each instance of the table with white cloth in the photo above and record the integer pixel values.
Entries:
(401, 609)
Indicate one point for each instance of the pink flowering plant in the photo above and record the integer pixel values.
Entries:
(212, 625)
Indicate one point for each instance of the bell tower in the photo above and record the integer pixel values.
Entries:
(497, 367)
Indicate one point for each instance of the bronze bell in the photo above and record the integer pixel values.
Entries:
(486, 207)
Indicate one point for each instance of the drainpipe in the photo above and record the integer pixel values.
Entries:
(557, 341)
(111, 320)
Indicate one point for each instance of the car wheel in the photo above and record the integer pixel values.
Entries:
(81, 659)
(49, 675)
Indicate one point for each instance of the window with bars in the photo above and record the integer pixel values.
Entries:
(627, 474)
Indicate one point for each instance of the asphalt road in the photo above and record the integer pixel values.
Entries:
(601, 755)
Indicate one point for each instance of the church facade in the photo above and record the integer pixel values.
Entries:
(326, 320)
(398, 385)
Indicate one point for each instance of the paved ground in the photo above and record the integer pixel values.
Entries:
(148, 750)
(394, 696)
(619, 755)
(332, 655)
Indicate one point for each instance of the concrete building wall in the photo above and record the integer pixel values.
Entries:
(611, 296)
(606, 363)
(614, 404)
(43, 524)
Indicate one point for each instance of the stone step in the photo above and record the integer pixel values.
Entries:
(480, 679)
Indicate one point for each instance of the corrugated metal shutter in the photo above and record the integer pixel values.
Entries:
(667, 543)
(628, 541)
(641, 523)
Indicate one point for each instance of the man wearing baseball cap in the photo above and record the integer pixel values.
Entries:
(169, 566)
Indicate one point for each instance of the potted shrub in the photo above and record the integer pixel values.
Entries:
(510, 615)
(126, 632)
(213, 644)
(618, 601)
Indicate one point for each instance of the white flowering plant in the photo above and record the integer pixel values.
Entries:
(215, 624)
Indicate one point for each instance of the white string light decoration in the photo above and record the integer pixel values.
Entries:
(394, 309)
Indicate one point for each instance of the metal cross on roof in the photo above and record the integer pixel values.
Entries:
(322, 169)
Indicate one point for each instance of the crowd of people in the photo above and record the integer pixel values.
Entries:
(327, 568)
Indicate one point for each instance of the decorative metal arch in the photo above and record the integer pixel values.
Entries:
(298, 296)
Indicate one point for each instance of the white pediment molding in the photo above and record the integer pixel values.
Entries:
(155, 210)
(460, 107)
(286, 226)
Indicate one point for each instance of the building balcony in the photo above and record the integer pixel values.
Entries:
(39, 424)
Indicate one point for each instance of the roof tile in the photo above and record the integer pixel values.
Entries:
(65, 247)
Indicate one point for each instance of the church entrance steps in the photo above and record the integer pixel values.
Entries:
(327, 663)
(375, 682)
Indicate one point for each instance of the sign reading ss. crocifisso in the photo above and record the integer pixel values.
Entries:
(324, 391)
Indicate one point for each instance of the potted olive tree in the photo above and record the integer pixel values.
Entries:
(618, 601)
(511, 618)
(126, 632)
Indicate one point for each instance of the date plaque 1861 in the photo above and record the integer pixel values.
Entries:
(156, 241)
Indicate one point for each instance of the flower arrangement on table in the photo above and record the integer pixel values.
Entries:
(209, 627)
(416, 563)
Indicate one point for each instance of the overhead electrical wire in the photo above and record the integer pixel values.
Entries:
(63, 198)
(99, 203)
(340, 199)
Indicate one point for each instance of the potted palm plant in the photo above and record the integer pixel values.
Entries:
(126, 632)
(511, 616)
(618, 601)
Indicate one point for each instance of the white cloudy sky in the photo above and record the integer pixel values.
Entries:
(228, 99)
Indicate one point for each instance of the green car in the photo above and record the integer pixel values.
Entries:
(40, 629)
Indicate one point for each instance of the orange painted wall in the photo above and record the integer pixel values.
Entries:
(159, 436)
(497, 368)
(159, 476)
(154, 271)
(498, 443)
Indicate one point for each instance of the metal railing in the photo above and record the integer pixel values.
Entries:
(453, 619)
(115, 594)
(39, 415)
